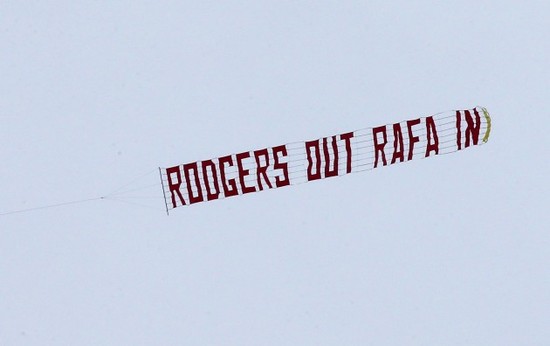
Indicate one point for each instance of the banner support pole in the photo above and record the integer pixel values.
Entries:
(163, 191)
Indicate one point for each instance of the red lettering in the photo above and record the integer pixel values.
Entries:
(431, 131)
(174, 186)
(379, 147)
(472, 130)
(229, 186)
(209, 194)
(261, 170)
(244, 172)
(398, 148)
(281, 149)
(328, 172)
(412, 138)
(458, 131)
(347, 138)
(310, 175)
(186, 170)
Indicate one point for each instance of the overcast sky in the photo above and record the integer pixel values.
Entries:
(453, 250)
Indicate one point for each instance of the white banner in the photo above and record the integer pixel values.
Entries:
(337, 155)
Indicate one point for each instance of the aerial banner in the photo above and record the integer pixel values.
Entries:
(326, 157)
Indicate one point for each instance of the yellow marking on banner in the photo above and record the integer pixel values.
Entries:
(488, 132)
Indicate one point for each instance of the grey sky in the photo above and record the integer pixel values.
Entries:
(452, 250)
